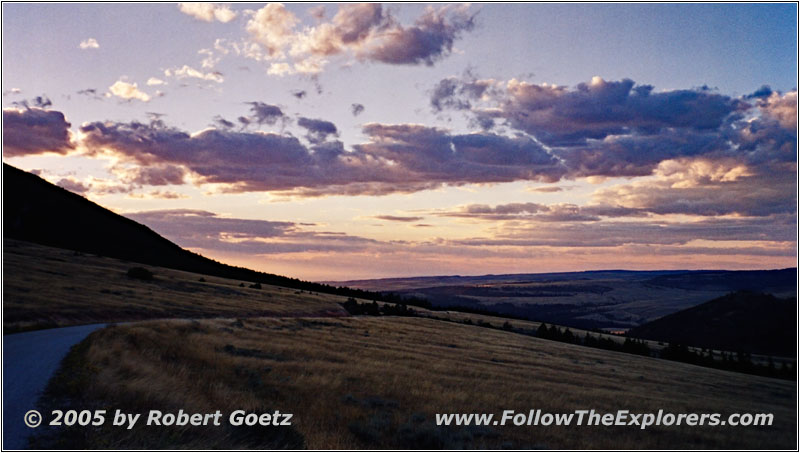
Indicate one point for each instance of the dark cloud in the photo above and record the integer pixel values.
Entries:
(397, 158)
(158, 175)
(91, 93)
(262, 114)
(299, 94)
(41, 102)
(611, 129)
(356, 109)
(560, 116)
(430, 39)
(221, 122)
(563, 212)
(762, 92)
(251, 160)
(394, 218)
(458, 93)
(548, 189)
(318, 130)
(73, 185)
(35, 131)
(431, 154)
(638, 155)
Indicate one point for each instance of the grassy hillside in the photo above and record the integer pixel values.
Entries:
(742, 321)
(50, 287)
(367, 382)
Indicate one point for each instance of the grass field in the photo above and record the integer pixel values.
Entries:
(352, 382)
(367, 382)
(47, 287)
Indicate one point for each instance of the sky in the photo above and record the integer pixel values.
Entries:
(354, 141)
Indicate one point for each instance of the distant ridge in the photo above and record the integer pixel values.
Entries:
(742, 321)
(37, 211)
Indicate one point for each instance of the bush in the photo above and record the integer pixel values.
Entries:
(140, 273)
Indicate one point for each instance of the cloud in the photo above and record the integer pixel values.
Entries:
(90, 43)
(208, 12)
(562, 116)
(782, 107)
(263, 114)
(189, 72)
(41, 102)
(394, 218)
(356, 109)
(524, 244)
(430, 39)
(271, 27)
(90, 93)
(128, 91)
(35, 131)
(777, 230)
(397, 158)
(548, 189)
(364, 31)
(223, 123)
(199, 229)
(433, 155)
(562, 212)
(155, 81)
(618, 128)
(299, 94)
(159, 194)
(73, 185)
(318, 130)
(708, 188)
(280, 69)
(746, 157)
(157, 175)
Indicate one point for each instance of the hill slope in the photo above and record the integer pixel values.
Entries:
(746, 321)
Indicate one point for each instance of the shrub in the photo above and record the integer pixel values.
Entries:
(140, 273)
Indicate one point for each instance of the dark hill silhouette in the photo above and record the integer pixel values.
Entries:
(728, 280)
(742, 321)
(36, 211)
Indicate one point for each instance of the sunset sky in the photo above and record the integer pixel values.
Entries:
(334, 142)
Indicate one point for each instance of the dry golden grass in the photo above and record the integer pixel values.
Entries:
(50, 287)
(378, 383)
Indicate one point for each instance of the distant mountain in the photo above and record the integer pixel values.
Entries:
(36, 211)
(607, 299)
(742, 321)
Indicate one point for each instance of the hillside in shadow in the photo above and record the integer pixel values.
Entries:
(742, 321)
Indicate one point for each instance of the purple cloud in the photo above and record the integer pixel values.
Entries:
(35, 131)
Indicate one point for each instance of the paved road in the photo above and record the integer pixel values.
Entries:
(29, 360)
